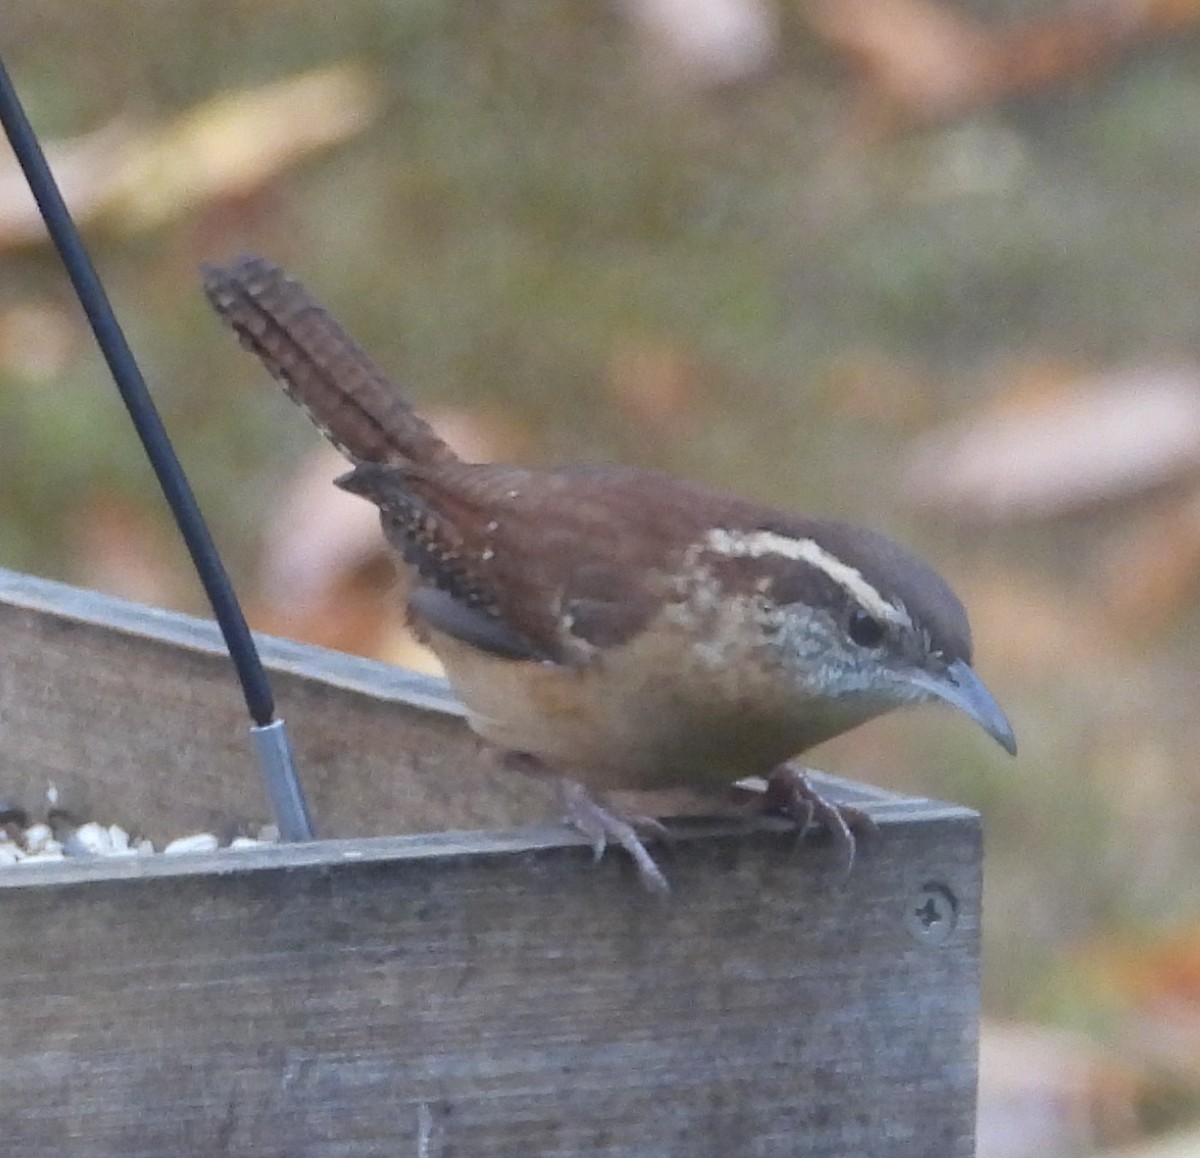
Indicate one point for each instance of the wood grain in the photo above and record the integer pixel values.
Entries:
(456, 994)
(494, 996)
(136, 712)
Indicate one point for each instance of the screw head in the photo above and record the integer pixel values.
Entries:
(931, 913)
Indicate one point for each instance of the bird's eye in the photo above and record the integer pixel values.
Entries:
(865, 629)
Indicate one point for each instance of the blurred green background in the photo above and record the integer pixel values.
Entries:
(774, 259)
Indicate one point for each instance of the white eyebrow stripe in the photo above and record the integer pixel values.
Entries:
(756, 544)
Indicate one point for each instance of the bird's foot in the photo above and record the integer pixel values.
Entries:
(791, 793)
(603, 824)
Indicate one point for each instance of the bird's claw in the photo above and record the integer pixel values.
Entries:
(603, 825)
(791, 793)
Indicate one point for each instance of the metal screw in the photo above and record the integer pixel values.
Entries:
(931, 913)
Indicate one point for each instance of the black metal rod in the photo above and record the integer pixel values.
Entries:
(282, 784)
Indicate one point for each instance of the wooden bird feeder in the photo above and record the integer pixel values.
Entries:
(432, 980)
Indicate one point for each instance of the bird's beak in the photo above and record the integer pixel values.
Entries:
(962, 688)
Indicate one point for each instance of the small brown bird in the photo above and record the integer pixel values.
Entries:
(623, 628)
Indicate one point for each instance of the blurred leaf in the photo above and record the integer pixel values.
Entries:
(1103, 439)
(238, 141)
(1148, 570)
(87, 170)
(923, 60)
(139, 176)
(315, 534)
(327, 576)
(1048, 1093)
(1153, 989)
(706, 42)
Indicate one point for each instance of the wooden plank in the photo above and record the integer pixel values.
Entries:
(480, 995)
(135, 712)
(460, 993)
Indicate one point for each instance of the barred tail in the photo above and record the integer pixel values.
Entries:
(320, 366)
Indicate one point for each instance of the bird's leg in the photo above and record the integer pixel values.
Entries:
(605, 823)
(602, 823)
(791, 792)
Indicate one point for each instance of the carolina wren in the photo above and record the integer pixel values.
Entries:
(621, 627)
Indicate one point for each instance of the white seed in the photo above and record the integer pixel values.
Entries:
(269, 833)
(247, 842)
(9, 854)
(197, 842)
(145, 847)
(93, 838)
(118, 838)
(36, 836)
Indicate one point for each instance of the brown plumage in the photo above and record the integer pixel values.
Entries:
(625, 627)
(320, 366)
